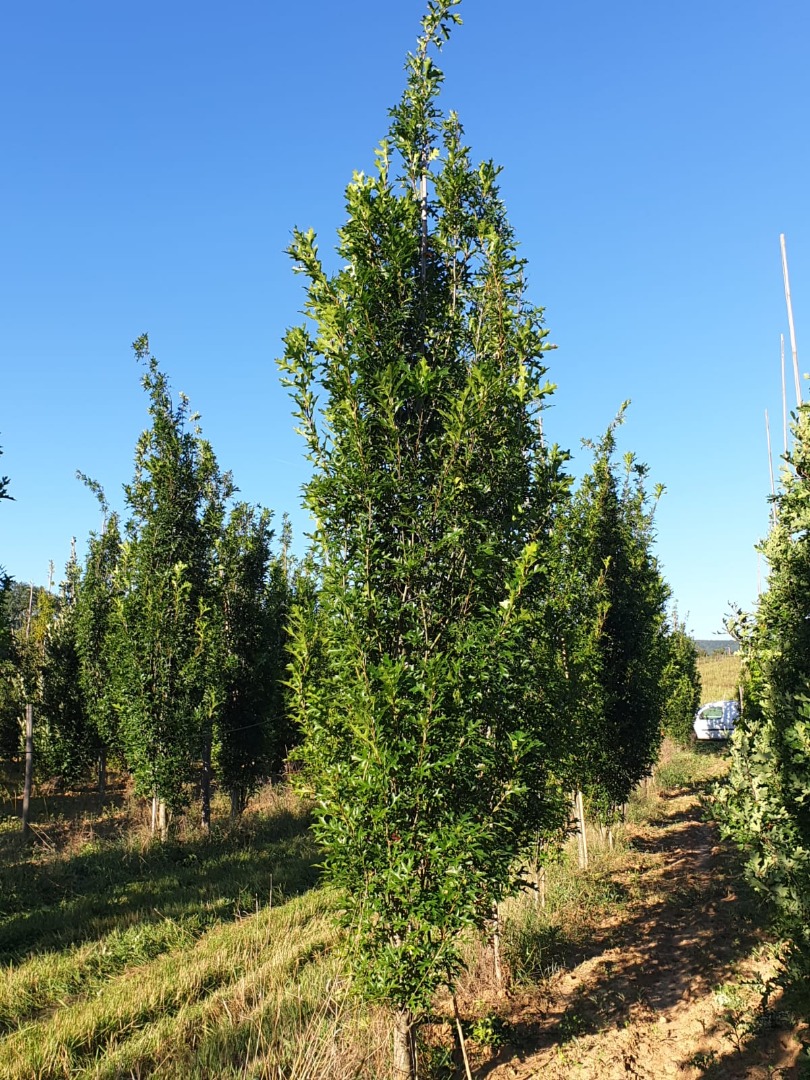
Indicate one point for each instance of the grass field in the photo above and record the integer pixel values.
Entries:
(218, 958)
(719, 676)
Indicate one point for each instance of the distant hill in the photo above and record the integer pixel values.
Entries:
(710, 646)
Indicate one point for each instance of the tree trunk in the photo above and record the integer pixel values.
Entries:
(404, 1046)
(540, 896)
(154, 813)
(205, 785)
(29, 766)
(236, 804)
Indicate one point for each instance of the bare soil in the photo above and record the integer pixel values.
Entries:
(669, 986)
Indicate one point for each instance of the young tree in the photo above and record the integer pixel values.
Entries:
(66, 743)
(617, 647)
(765, 806)
(161, 614)
(10, 705)
(253, 597)
(430, 500)
(681, 683)
(94, 620)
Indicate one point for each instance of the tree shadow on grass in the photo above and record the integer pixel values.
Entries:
(56, 901)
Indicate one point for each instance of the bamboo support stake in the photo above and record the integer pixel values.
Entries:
(784, 395)
(583, 841)
(462, 1041)
(790, 320)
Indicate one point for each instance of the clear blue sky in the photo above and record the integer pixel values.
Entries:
(157, 155)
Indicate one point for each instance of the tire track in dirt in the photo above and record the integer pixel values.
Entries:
(665, 989)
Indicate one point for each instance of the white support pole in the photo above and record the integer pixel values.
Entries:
(784, 395)
(790, 320)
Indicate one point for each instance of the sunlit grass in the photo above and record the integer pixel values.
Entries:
(719, 676)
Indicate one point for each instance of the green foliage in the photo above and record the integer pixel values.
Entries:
(253, 595)
(160, 638)
(65, 741)
(431, 497)
(94, 619)
(765, 806)
(10, 711)
(615, 650)
(681, 683)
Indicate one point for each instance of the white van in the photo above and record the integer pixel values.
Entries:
(716, 720)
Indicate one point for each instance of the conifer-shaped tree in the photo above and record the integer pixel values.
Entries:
(681, 682)
(65, 740)
(161, 618)
(616, 649)
(765, 807)
(430, 495)
(94, 620)
(253, 600)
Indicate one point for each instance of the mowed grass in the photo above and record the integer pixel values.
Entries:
(219, 958)
(123, 958)
(719, 676)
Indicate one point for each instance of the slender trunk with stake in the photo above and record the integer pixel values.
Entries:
(582, 845)
(102, 773)
(462, 1042)
(205, 784)
(29, 764)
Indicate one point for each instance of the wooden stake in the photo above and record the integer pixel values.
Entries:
(579, 806)
(462, 1040)
(790, 320)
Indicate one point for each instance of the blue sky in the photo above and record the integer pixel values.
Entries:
(157, 156)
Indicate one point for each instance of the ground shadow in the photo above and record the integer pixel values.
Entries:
(53, 900)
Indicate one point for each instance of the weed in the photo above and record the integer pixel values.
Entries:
(489, 1030)
(702, 1060)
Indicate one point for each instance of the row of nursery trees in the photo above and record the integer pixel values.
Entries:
(164, 652)
(765, 806)
(477, 637)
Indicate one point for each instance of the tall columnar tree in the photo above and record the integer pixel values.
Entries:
(617, 649)
(10, 712)
(253, 600)
(94, 621)
(163, 601)
(765, 806)
(66, 742)
(681, 682)
(430, 499)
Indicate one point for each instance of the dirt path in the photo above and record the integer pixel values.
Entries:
(668, 987)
